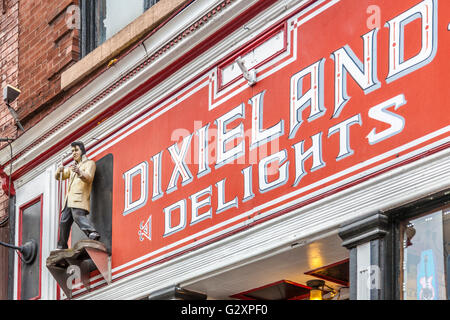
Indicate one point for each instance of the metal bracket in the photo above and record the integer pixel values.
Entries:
(102, 261)
(175, 292)
(71, 267)
(250, 76)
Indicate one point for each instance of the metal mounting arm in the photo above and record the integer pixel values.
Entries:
(15, 117)
(28, 250)
(250, 76)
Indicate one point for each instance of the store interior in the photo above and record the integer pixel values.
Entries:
(284, 275)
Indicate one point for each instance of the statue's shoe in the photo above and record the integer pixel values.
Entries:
(94, 236)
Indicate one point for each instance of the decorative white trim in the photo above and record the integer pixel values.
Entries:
(44, 184)
(362, 276)
(254, 57)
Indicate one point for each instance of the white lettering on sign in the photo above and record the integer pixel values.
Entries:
(180, 207)
(197, 204)
(203, 168)
(157, 192)
(365, 74)
(272, 170)
(315, 151)
(248, 184)
(140, 170)
(426, 11)
(260, 136)
(396, 122)
(225, 156)
(265, 185)
(344, 135)
(222, 204)
(180, 164)
(313, 98)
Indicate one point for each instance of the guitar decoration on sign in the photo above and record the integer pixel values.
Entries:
(145, 230)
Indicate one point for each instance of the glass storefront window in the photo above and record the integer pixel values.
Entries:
(424, 260)
(101, 19)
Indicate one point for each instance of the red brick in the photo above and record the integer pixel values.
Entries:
(37, 40)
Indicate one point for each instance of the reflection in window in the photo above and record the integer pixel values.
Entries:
(426, 243)
(101, 19)
(30, 274)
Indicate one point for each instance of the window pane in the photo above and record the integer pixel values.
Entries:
(425, 256)
(149, 3)
(101, 19)
(119, 13)
(30, 273)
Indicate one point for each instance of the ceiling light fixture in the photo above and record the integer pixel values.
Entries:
(318, 290)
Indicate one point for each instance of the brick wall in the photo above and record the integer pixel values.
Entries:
(36, 45)
(9, 59)
(47, 47)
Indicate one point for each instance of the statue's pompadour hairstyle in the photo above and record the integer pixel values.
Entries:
(80, 145)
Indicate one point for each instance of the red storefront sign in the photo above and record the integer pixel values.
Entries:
(345, 90)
